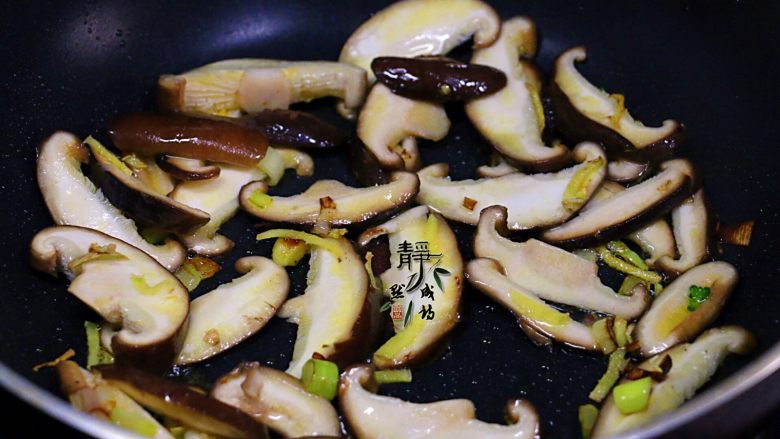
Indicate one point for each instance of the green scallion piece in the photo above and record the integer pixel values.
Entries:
(696, 296)
(617, 363)
(621, 250)
(96, 355)
(188, 276)
(393, 376)
(320, 377)
(588, 414)
(633, 396)
(625, 267)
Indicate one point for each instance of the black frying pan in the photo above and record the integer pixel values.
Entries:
(714, 66)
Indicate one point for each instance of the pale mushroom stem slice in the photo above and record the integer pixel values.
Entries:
(91, 395)
(512, 120)
(626, 211)
(277, 400)
(154, 177)
(72, 199)
(693, 364)
(498, 167)
(412, 28)
(125, 286)
(432, 316)
(532, 200)
(487, 276)
(551, 273)
(225, 316)
(389, 126)
(690, 223)
(624, 171)
(376, 416)
(333, 202)
(187, 169)
(669, 320)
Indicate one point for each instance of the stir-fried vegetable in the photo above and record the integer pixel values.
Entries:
(633, 396)
(321, 377)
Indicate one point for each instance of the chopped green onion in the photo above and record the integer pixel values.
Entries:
(153, 236)
(629, 282)
(107, 156)
(272, 166)
(620, 249)
(260, 199)
(577, 192)
(287, 252)
(657, 288)
(133, 161)
(617, 363)
(140, 284)
(133, 421)
(188, 276)
(633, 396)
(620, 265)
(320, 377)
(602, 333)
(393, 376)
(588, 414)
(375, 282)
(620, 331)
(696, 296)
(96, 355)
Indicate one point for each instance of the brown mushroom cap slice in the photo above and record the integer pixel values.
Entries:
(532, 200)
(376, 416)
(551, 273)
(225, 316)
(182, 403)
(277, 400)
(333, 202)
(693, 364)
(139, 201)
(624, 171)
(92, 395)
(412, 28)
(585, 112)
(512, 120)
(236, 86)
(488, 276)
(219, 198)
(626, 211)
(413, 342)
(187, 169)
(691, 230)
(295, 129)
(74, 200)
(124, 285)
(389, 126)
(668, 321)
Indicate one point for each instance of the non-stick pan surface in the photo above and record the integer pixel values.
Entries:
(712, 65)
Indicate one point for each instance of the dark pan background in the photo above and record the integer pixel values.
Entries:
(712, 65)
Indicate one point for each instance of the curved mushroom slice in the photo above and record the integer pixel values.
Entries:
(138, 200)
(333, 313)
(223, 317)
(551, 273)
(277, 400)
(219, 198)
(532, 200)
(375, 416)
(333, 202)
(693, 364)
(670, 320)
(416, 27)
(432, 300)
(124, 285)
(498, 169)
(74, 200)
(512, 120)
(624, 212)
(389, 126)
(152, 176)
(93, 396)
(230, 87)
(691, 228)
(183, 403)
(488, 276)
(187, 169)
(298, 160)
(624, 171)
(585, 112)
(294, 129)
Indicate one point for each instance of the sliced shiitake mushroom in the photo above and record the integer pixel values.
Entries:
(277, 400)
(294, 129)
(139, 201)
(691, 232)
(187, 169)
(225, 316)
(332, 202)
(414, 340)
(333, 313)
(498, 167)
(551, 273)
(437, 79)
(585, 112)
(488, 276)
(670, 320)
(625, 211)
(376, 416)
(236, 86)
(624, 171)
(181, 402)
(389, 126)
(532, 200)
(420, 27)
(693, 364)
(147, 170)
(190, 137)
(73, 199)
(512, 120)
(125, 286)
